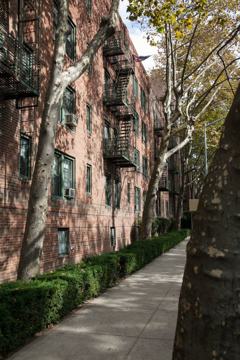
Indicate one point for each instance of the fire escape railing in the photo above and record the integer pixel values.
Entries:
(122, 153)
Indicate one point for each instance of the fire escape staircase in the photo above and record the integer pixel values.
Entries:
(19, 65)
(119, 150)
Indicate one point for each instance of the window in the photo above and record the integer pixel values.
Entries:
(144, 196)
(128, 193)
(25, 157)
(135, 86)
(145, 166)
(71, 40)
(89, 118)
(106, 131)
(63, 242)
(136, 124)
(144, 132)
(136, 158)
(63, 174)
(107, 82)
(55, 17)
(89, 7)
(117, 193)
(137, 199)
(108, 190)
(68, 103)
(89, 179)
(143, 100)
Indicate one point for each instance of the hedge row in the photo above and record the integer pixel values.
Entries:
(28, 307)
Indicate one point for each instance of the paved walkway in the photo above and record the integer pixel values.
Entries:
(133, 321)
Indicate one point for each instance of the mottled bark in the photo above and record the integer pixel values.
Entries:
(149, 205)
(208, 325)
(29, 264)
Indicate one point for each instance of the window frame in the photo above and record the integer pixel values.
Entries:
(144, 132)
(137, 199)
(89, 118)
(67, 245)
(135, 87)
(108, 203)
(117, 193)
(61, 187)
(129, 193)
(89, 7)
(145, 166)
(64, 111)
(89, 179)
(136, 156)
(136, 124)
(72, 52)
(29, 141)
(143, 100)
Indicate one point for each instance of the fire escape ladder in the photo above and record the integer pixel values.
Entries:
(123, 141)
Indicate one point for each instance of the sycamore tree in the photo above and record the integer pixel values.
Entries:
(60, 77)
(198, 54)
(193, 156)
(208, 314)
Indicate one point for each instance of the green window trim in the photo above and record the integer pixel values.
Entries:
(89, 7)
(25, 157)
(63, 241)
(117, 193)
(137, 199)
(143, 100)
(63, 174)
(128, 193)
(71, 40)
(68, 103)
(89, 179)
(136, 157)
(89, 118)
(145, 166)
(136, 124)
(144, 132)
(108, 190)
(135, 86)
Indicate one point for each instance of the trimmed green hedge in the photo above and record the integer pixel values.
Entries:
(28, 307)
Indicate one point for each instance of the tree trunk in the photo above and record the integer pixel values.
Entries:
(179, 211)
(29, 264)
(32, 245)
(208, 325)
(149, 205)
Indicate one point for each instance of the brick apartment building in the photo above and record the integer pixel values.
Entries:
(106, 135)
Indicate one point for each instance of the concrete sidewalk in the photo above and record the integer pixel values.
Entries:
(133, 321)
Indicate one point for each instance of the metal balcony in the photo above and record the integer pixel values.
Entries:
(115, 95)
(18, 68)
(114, 46)
(119, 152)
(124, 66)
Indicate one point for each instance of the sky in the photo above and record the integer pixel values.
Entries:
(138, 37)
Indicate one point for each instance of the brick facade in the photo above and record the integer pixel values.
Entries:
(86, 216)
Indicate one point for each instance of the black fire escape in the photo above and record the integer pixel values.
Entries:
(19, 65)
(119, 149)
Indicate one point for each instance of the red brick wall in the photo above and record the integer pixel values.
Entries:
(87, 217)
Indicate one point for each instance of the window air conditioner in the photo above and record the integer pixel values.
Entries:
(69, 193)
(71, 120)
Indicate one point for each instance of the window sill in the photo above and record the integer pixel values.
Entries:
(63, 255)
